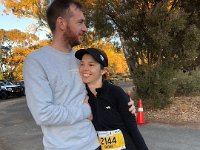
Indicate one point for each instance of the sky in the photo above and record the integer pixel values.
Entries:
(9, 22)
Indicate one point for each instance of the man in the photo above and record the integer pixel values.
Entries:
(55, 93)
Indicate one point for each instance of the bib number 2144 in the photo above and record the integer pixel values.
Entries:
(111, 140)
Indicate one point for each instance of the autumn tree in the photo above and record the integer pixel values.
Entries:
(35, 9)
(15, 46)
(15, 51)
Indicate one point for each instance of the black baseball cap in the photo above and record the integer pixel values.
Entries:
(99, 55)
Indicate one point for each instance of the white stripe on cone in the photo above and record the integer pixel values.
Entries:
(140, 109)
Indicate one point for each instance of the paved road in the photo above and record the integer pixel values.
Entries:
(19, 132)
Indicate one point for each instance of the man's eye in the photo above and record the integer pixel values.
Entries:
(80, 22)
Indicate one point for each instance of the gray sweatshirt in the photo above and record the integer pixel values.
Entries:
(55, 94)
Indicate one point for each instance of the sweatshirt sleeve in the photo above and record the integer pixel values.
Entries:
(129, 119)
(40, 99)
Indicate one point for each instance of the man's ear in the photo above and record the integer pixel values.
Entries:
(61, 23)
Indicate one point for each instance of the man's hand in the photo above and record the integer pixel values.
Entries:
(132, 108)
(86, 102)
(86, 99)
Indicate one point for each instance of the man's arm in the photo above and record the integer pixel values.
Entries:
(86, 102)
(40, 99)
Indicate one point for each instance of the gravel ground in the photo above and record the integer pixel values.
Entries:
(183, 111)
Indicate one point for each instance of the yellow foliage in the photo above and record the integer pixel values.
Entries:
(2, 32)
(89, 3)
(43, 43)
(26, 8)
(20, 37)
(117, 63)
(1, 76)
(18, 72)
(16, 59)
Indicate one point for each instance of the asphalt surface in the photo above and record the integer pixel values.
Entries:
(18, 131)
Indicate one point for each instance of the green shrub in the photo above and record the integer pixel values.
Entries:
(155, 86)
(188, 83)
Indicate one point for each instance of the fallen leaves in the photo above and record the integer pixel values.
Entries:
(183, 110)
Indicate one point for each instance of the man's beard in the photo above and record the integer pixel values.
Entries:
(71, 38)
(74, 43)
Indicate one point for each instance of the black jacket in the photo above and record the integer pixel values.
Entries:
(110, 112)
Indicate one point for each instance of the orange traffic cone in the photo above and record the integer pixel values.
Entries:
(140, 114)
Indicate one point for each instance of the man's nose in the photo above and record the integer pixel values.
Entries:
(84, 29)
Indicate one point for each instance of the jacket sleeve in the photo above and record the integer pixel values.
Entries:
(129, 119)
(40, 99)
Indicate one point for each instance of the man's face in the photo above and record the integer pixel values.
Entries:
(75, 28)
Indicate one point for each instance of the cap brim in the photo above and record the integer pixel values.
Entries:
(79, 54)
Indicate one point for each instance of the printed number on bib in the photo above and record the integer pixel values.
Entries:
(111, 140)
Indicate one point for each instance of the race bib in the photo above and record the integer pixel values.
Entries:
(111, 140)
